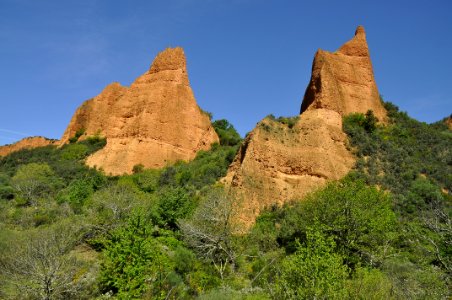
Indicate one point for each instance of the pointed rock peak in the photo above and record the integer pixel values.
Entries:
(357, 46)
(169, 59)
(154, 122)
(360, 31)
(344, 81)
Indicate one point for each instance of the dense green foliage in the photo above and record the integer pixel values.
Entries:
(383, 232)
(412, 161)
(313, 271)
(226, 132)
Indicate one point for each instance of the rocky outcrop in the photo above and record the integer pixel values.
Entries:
(279, 162)
(154, 122)
(343, 81)
(448, 122)
(27, 143)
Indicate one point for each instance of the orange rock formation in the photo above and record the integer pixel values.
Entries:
(277, 163)
(27, 143)
(448, 122)
(153, 122)
(343, 81)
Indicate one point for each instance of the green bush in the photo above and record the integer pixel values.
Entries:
(34, 180)
(77, 135)
(74, 151)
(134, 262)
(314, 271)
(226, 132)
(172, 204)
(358, 218)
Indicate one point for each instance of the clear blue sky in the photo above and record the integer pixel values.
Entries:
(246, 58)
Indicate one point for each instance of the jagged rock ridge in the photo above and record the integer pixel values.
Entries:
(27, 143)
(153, 122)
(279, 163)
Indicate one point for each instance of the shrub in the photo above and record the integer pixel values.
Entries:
(134, 262)
(77, 135)
(314, 271)
(34, 180)
(226, 132)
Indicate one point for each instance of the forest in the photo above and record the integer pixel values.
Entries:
(383, 232)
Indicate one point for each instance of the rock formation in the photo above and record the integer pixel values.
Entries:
(448, 122)
(343, 81)
(280, 162)
(153, 122)
(27, 143)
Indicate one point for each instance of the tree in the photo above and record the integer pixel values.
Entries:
(42, 267)
(314, 271)
(210, 231)
(34, 180)
(358, 217)
(370, 122)
(226, 132)
(112, 204)
(133, 260)
(173, 203)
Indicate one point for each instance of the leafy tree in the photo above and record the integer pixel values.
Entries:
(34, 180)
(171, 205)
(204, 170)
(359, 219)
(76, 193)
(314, 271)
(226, 132)
(134, 261)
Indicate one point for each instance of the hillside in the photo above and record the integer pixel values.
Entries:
(144, 235)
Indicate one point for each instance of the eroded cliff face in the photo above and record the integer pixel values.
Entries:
(154, 122)
(27, 143)
(278, 164)
(343, 81)
(448, 122)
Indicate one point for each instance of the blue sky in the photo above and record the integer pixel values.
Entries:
(246, 58)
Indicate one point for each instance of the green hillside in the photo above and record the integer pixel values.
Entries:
(383, 232)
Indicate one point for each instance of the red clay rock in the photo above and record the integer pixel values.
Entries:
(27, 143)
(448, 122)
(154, 122)
(278, 164)
(343, 81)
